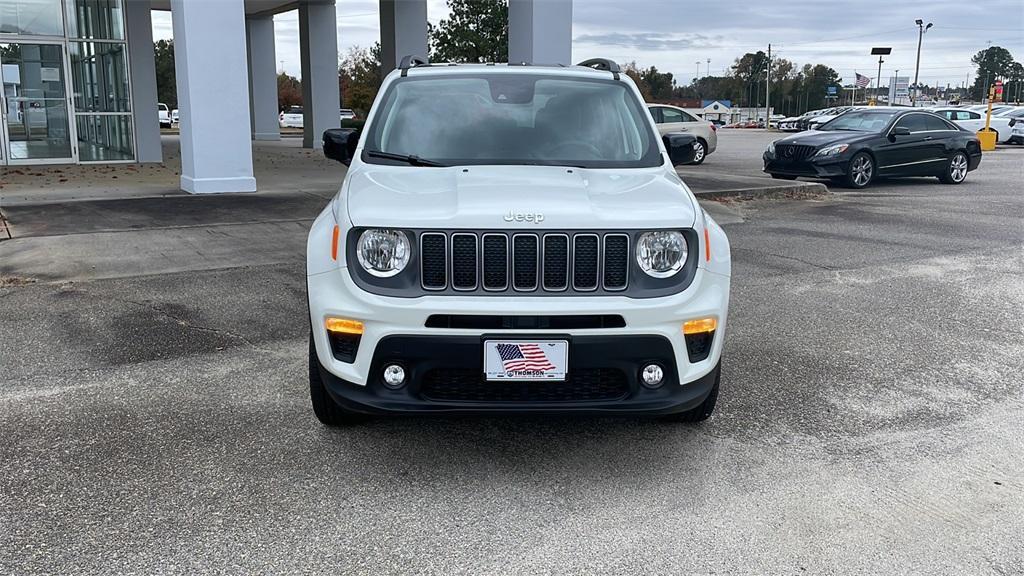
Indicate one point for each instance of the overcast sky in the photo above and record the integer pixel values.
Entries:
(674, 35)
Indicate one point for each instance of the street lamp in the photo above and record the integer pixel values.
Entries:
(884, 51)
(709, 66)
(920, 36)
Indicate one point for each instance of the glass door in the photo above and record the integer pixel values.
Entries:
(35, 127)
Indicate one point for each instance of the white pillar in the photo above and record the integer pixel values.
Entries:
(263, 113)
(403, 31)
(318, 49)
(142, 66)
(213, 95)
(540, 31)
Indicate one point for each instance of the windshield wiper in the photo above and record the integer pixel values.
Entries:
(410, 159)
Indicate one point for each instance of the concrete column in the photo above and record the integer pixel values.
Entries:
(263, 111)
(213, 93)
(540, 31)
(142, 67)
(403, 31)
(318, 48)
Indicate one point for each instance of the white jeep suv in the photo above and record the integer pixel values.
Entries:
(509, 239)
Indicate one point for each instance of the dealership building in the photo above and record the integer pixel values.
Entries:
(79, 79)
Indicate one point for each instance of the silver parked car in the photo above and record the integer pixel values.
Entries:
(673, 119)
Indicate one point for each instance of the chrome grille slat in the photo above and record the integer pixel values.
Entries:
(434, 260)
(555, 261)
(555, 258)
(465, 258)
(494, 258)
(525, 262)
(616, 262)
(586, 262)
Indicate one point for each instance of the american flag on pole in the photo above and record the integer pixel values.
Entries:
(524, 357)
(862, 81)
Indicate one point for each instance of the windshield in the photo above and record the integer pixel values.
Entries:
(860, 121)
(513, 119)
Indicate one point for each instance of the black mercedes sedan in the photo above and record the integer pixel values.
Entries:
(868, 143)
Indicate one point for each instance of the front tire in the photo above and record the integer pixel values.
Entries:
(956, 169)
(702, 412)
(700, 152)
(861, 171)
(327, 411)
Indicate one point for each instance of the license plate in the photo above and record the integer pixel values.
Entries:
(526, 360)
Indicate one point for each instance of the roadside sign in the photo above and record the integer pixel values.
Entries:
(831, 90)
(999, 91)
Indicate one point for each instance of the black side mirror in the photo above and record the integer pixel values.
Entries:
(900, 131)
(680, 147)
(340, 144)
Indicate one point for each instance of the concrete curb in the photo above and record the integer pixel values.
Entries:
(793, 190)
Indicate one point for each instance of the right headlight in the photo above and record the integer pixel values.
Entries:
(771, 147)
(661, 254)
(383, 253)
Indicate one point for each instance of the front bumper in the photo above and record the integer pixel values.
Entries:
(444, 376)
(812, 168)
(395, 330)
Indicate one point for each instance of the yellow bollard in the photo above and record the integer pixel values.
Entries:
(987, 135)
(988, 140)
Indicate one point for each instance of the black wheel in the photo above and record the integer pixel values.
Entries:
(955, 171)
(702, 412)
(861, 171)
(783, 177)
(326, 409)
(700, 151)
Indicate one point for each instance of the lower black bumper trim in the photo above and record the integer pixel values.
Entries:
(422, 356)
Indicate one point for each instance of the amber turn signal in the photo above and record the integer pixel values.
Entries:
(334, 243)
(700, 326)
(343, 325)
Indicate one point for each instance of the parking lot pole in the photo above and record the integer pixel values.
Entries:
(767, 90)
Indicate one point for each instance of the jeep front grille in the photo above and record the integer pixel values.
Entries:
(524, 261)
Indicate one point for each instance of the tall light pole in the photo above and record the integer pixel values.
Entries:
(921, 29)
(709, 66)
(885, 51)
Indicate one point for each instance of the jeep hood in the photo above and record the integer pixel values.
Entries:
(488, 197)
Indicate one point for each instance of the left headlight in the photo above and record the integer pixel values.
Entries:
(383, 253)
(833, 150)
(661, 254)
(771, 147)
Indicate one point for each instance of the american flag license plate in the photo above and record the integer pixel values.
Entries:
(526, 360)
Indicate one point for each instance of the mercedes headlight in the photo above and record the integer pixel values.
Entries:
(833, 150)
(383, 253)
(771, 148)
(661, 254)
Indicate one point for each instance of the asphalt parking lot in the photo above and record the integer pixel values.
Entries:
(157, 421)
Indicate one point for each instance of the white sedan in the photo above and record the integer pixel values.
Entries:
(292, 117)
(974, 121)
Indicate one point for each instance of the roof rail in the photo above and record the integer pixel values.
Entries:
(411, 61)
(602, 64)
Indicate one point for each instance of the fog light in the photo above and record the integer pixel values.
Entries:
(652, 375)
(394, 376)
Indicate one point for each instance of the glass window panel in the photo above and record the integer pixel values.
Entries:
(98, 19)
(100, 77)
(39, 17)
(38, 129)
(104, 138)
(32, 70)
